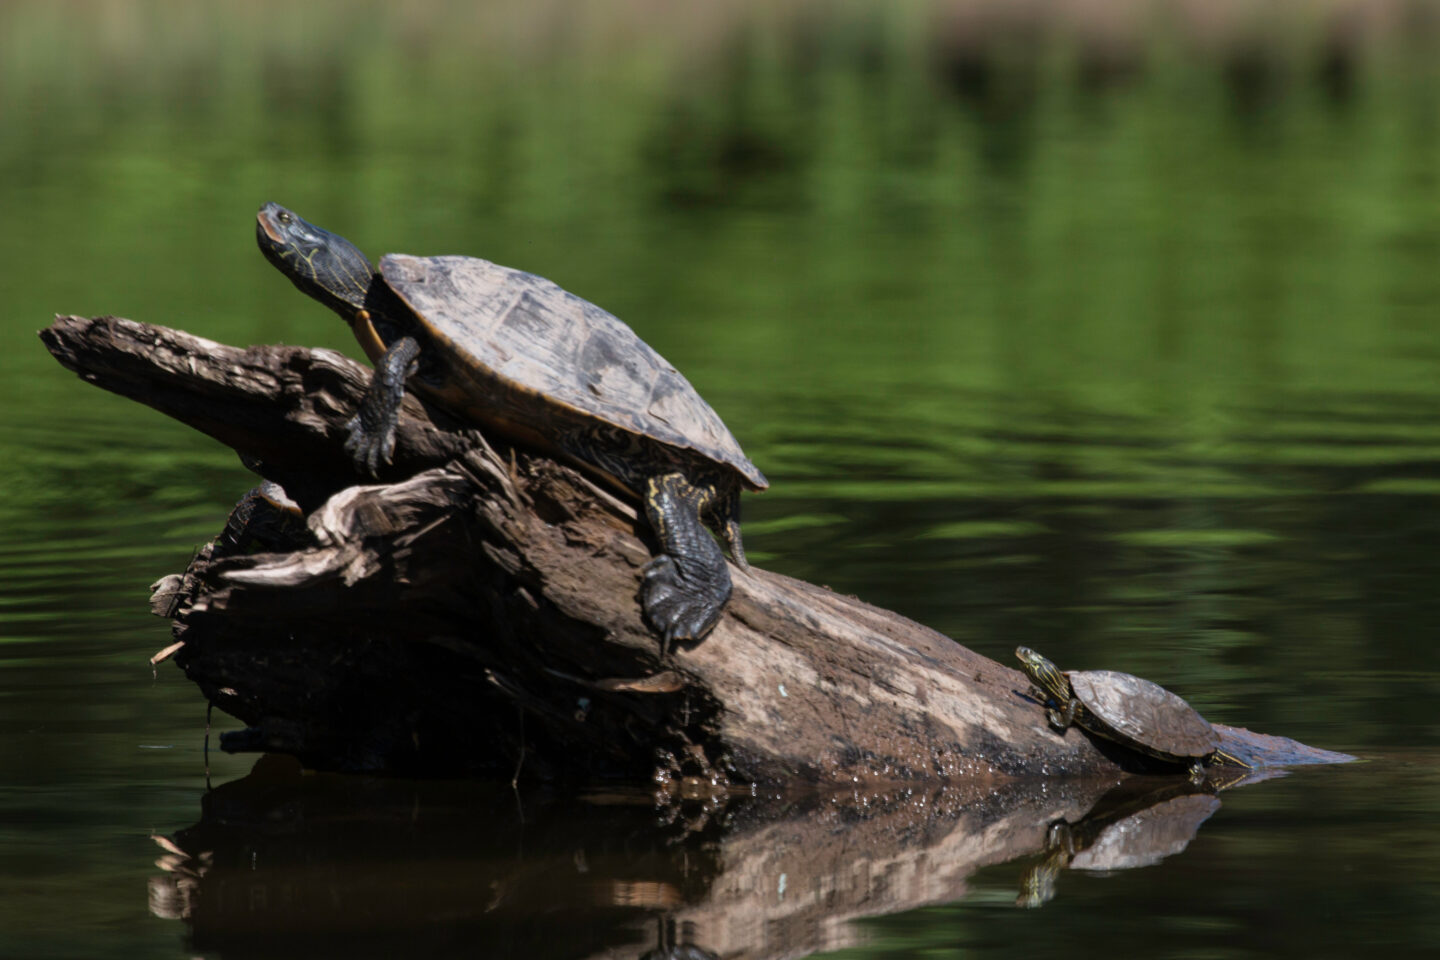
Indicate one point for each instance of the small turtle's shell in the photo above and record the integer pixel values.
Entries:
(1144, 715)
(554, 363)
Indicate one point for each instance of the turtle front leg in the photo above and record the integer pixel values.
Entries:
(687, 585)
(1226, 758)
(372, 429)
(1063, 717)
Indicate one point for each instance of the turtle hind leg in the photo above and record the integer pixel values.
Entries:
(688, 584)
(726, 517)
(372, 429)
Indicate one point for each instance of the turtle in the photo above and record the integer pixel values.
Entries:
(1128, 710)
(515, 353)
(264, 519)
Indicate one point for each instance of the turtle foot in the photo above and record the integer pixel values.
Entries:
(369, 448)
(372, 430)
(683, 598)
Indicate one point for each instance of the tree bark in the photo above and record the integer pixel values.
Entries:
(475, 608)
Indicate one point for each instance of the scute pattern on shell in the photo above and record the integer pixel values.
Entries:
(1144, 712)
(556, 358)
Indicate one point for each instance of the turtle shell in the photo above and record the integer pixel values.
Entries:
(1144, 715)
(554, 363)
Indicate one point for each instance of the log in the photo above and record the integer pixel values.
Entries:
(475, 609)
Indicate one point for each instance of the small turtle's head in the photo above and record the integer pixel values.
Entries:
(1043, 673)
(329, 268)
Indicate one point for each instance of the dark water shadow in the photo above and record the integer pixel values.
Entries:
(285, 863)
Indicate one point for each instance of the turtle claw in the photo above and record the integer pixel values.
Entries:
(369, 450)
(682, 599)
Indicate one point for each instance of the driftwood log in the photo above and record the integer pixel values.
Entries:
(475, 609)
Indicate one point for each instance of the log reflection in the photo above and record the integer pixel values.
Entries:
(285, 863)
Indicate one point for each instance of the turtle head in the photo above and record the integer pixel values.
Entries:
(1044, 674)
(327, 267)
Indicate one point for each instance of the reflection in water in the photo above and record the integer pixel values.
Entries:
(282, 862)
(676, 944)
(1134, 825)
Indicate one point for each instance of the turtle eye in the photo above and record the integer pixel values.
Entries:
(285, 216)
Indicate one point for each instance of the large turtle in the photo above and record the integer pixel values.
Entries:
(1129, 710)
(514, 352)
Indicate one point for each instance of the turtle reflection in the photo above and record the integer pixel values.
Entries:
(668, 949)
(1122, 832)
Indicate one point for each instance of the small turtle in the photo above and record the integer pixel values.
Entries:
(1129, 710)
(515, 353)
(264, 519)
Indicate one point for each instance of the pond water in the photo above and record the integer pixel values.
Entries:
(1112, 336)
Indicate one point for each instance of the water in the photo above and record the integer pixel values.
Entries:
(1111, 342)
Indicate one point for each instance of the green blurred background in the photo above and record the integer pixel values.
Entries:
(1104, 327)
